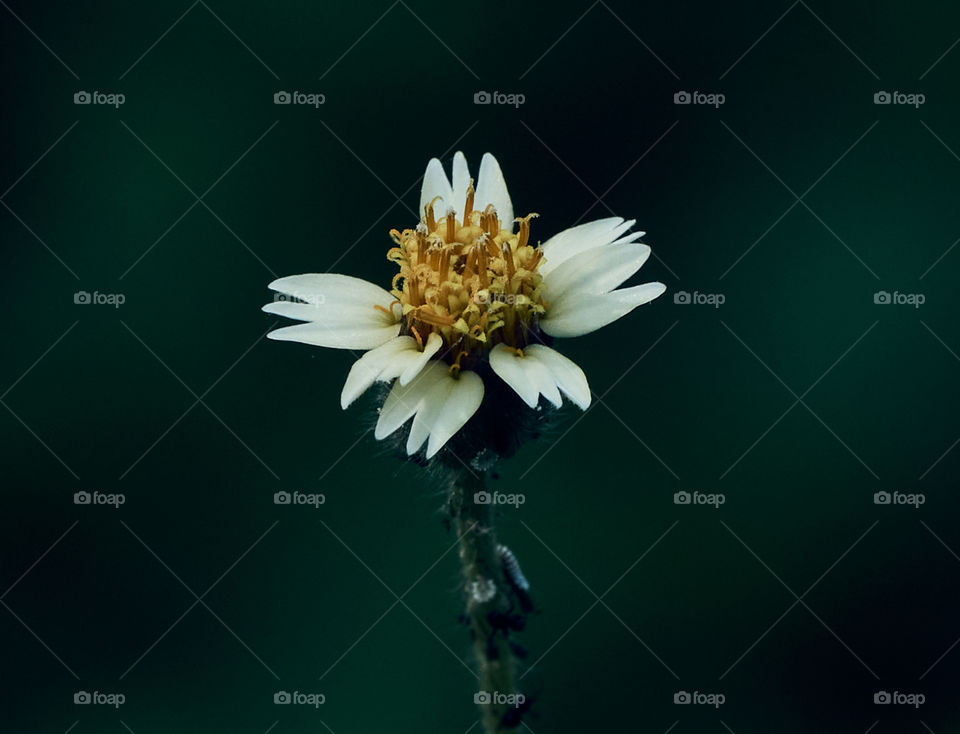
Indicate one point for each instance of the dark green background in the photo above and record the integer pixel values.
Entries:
(319, 191)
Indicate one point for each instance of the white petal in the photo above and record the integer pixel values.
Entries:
(441, 404)
(586, 312)
(435, 183)
(332, 288)
(492, 189)
(341, 310)
(335, 335)
(461, 179)
(400, 357)
(565, 372)
(564, 245)
(366, 370)
(405, 400)
(427, 412)
(331, 312)
(527, 377)
(629, 237)
(461, 402)
(594, 271)
(540, 371)
(417, 361)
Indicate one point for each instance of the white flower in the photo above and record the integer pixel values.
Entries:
(470, 292)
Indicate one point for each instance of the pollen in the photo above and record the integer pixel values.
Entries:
(471, 280)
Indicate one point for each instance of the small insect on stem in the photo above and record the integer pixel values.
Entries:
(515, 577)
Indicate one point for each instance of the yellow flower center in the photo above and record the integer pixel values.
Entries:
(471, 281)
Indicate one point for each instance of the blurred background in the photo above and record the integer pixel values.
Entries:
(800, 199)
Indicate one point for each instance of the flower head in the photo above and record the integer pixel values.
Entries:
(474, 301)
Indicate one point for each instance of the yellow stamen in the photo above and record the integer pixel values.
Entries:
(524, 235)
(421, 244)
(455, 367)
(482, 264)
(508, 259)
(428, 219)
(492, 221)
(444, 270)
(468, 207)
(451, 227)
(429, 316)
(414, 291)
(387, 311)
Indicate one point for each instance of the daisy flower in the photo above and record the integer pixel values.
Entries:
(471, 311)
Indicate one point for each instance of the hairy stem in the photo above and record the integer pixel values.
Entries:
(486, 591)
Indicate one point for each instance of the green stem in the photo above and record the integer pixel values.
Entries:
(486, 591)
